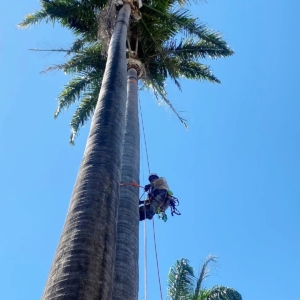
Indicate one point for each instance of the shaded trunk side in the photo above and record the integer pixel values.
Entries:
(84, 261)
(126, 265)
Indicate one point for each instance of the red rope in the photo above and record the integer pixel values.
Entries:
(161, 296)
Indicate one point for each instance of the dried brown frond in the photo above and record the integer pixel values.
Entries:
(106, 22)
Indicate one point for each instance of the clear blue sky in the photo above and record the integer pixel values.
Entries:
(236, 171)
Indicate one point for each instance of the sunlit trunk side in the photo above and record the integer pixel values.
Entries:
(126, 265)
(83, 265)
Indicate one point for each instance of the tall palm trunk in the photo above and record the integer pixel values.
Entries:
(83, 265)
(126, 265)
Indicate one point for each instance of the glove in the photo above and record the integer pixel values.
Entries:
(147, 187)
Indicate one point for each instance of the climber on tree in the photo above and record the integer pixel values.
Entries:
(158, 197)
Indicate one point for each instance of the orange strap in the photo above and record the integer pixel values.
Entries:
(132, 184)
(133, 81)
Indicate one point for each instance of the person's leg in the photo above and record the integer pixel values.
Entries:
(159, 199)
(143, 211)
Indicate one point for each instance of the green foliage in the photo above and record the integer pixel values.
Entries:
(220, 293)
(75, 90)
(78, 16)
(84, 111)
(184, 285)
(195, 49)
(156, 33)
(181, 280)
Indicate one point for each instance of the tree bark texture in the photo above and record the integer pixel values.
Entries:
(83, 265)
(126, 265)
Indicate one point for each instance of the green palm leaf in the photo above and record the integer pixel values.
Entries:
(88, 59)
(84, 111)
(195, 49)
(180, 19)
(184, 285)
(79, 16)
(181, 280)
(222, 293)
(162, 21)
(159, 92)
(75, 90)
(194, 70)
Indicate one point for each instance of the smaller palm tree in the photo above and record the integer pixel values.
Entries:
(183, 284)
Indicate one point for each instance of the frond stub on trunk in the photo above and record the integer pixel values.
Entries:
(137, 65)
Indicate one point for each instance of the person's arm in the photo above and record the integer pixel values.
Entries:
(147, 187)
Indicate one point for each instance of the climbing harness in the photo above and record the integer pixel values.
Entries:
(173, 201)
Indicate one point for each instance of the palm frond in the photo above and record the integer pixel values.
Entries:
(180, 19)
(74, 90)
(86, 60)
(99, 3)
(181, 280)
(203, 274)
(159, 92)
(162, 21)
(222, 293)
(75, 15)
(184, 2)
(177, 84)
(147, 35)
(191, 27)
(77, 45)
(195, 49)
(197, 71)
(84, 111)
(35, 19)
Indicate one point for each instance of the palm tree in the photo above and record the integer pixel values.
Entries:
(84, 261)
(90, 229)
(184, 285)
(126, 264)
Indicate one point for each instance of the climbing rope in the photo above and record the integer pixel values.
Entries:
(145, 254)
(157, 265)
(145, 224)
(145, 231)
(144, 136)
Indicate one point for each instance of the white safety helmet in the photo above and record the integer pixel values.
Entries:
(153, 176)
